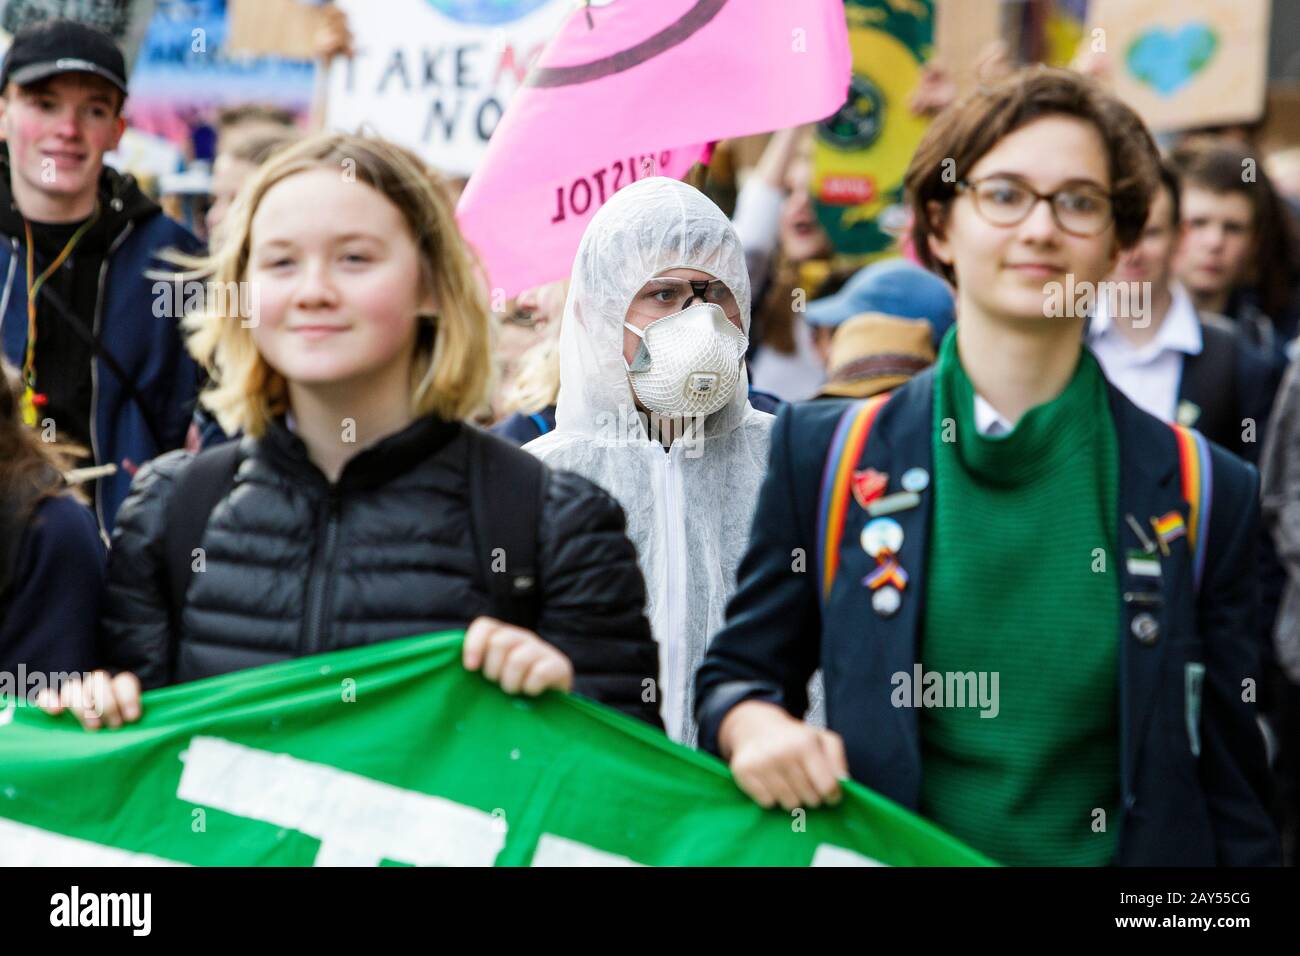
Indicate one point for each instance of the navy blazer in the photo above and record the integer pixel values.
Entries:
(1193, 792)
(1229, 382)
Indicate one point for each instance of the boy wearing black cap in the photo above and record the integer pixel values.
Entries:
(100, 367)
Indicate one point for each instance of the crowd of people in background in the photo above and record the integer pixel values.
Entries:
(742, 486)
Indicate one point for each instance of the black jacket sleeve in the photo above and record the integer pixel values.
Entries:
(48, 623)
(770, 645)
(135, 629)
(1233, 768)
(593, 598)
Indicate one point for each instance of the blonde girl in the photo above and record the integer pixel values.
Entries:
(349, 513)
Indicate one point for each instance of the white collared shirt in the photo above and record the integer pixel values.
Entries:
(988, 420)
(1149, 375)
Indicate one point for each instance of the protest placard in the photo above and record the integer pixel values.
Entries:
(1186, 63)
(862, 151)
(273, 27)
(437, 75)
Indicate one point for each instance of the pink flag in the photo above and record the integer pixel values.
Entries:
(630, 89)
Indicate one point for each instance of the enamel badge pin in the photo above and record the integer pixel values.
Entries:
(869, 485)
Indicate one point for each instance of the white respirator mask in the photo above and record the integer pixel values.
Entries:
(688, 363)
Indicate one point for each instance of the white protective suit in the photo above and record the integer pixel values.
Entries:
(688, 509)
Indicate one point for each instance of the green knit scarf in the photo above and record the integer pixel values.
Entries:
(1022, 583)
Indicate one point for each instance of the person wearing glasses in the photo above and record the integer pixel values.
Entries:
(1026, 634)
(654, 408)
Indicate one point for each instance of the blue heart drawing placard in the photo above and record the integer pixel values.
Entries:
(1167, 60)
(486, 12)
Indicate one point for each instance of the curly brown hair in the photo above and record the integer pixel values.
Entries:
(968, 129)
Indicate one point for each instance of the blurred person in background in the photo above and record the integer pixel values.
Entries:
(102, 359)
(894, 287)
(787, 253)
(1238, 255)
(874, 353)
(1280, 489)
(234, 165)
(525, 348)
(235, 123)
(52, 558)
(237, 160)
(530, 402)
(1173, 360)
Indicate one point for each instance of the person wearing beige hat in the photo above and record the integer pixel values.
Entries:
(876, 353)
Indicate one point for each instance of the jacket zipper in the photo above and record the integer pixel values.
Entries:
(94, 375)
(312, 636)
(675, 581)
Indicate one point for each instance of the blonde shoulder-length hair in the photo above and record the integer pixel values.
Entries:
(452, 364)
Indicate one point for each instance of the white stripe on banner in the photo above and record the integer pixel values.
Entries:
(830, 855)
(23, 845)
(558, 851)
(359, 821)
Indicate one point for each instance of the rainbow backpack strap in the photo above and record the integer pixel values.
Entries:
(1198, 491)
(833, 502)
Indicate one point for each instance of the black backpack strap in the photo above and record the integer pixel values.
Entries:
(204, 481)
(506, 490)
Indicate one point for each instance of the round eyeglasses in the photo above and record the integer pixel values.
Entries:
(1001, 201)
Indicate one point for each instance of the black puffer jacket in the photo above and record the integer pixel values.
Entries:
(401, 564)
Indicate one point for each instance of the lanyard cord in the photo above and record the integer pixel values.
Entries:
(30, 397)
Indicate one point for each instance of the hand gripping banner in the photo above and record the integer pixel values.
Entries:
(395, 755)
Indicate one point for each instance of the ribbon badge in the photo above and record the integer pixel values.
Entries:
(888, 571)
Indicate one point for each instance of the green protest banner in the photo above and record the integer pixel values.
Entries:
(395, 755)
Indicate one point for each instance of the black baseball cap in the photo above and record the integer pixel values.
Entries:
(52, 47)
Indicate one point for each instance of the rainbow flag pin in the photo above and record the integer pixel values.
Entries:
(1169, 527)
